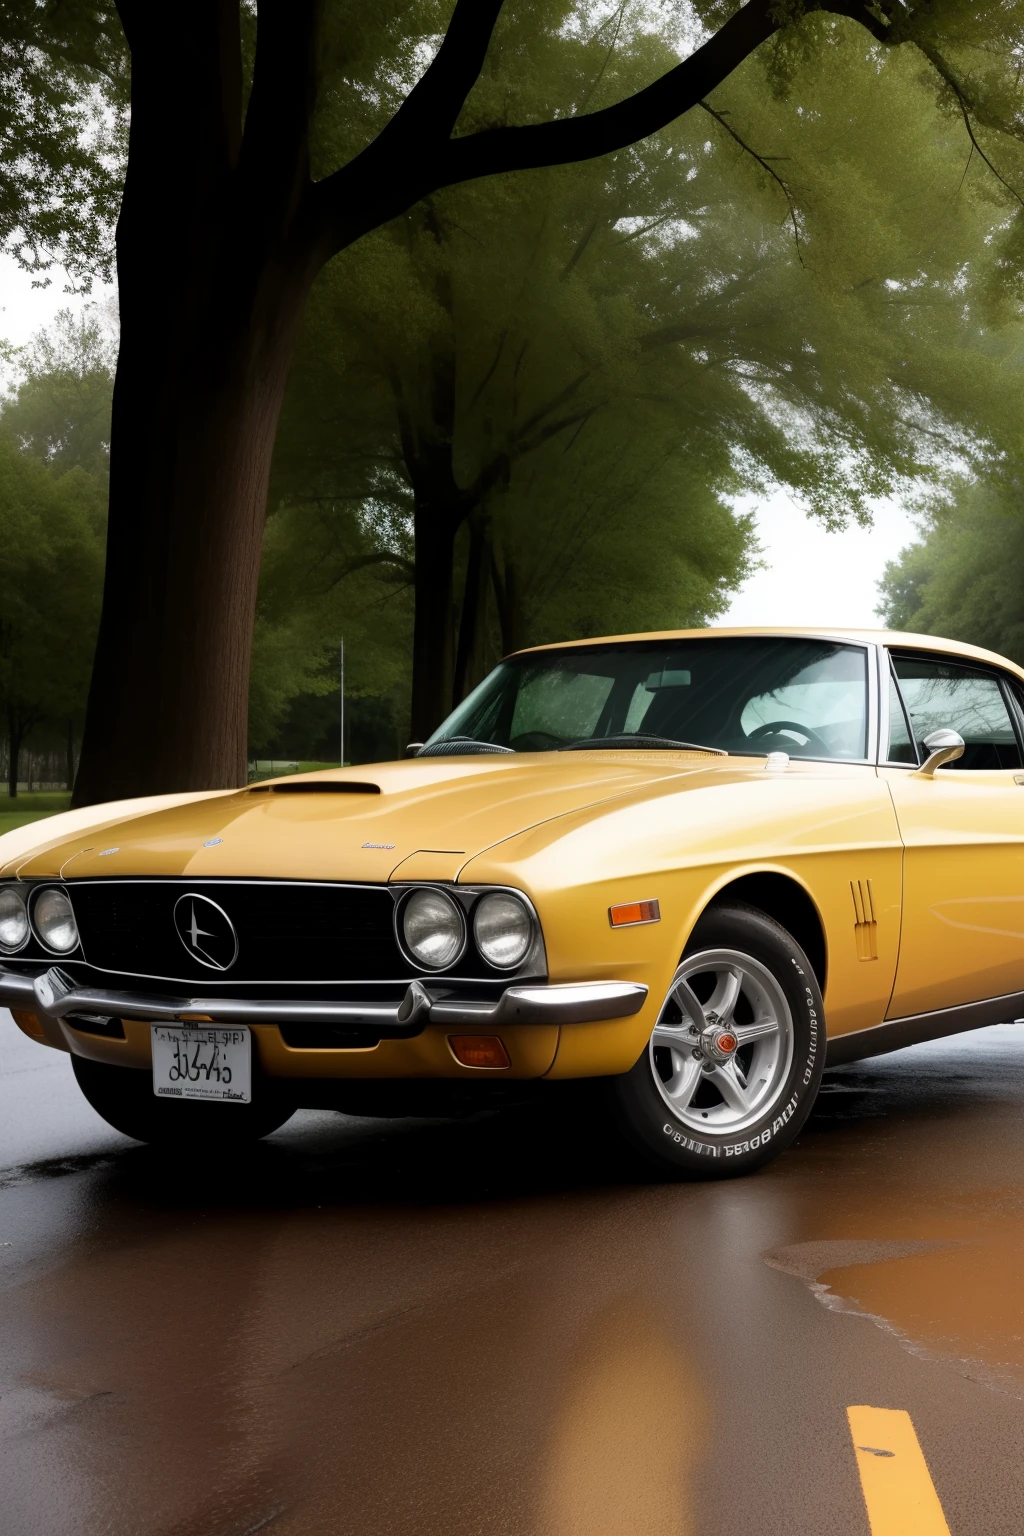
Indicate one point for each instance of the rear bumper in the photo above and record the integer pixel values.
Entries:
(56, 996)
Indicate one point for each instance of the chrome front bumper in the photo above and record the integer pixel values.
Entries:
(55, 995)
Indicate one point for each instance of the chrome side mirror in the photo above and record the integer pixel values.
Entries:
(943, 746)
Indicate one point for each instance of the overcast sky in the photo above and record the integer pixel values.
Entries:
(810, 576)
(815, 577)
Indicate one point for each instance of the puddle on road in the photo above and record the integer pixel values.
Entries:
(907, 1227)
(961, 1300)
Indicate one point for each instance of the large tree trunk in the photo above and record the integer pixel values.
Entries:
(69, 753)
(213, 269)
(435, 530)
(15, 734)
(508, 597)
(169, 697)
(473, 615)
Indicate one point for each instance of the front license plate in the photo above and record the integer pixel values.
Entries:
(192, 1062)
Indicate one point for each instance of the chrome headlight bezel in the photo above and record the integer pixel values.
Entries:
(520, 913)
(58, 893)
(410, 901)
(21, 898)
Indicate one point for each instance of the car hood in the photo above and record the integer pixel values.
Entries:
(421, 819)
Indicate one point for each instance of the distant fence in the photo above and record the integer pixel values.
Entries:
(48, 770)
(37, 770)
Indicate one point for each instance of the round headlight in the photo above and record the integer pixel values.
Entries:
(13, 919)
(54, 921)
(503, 930)
(433, 929)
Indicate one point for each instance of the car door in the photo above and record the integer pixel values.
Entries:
(963, 832)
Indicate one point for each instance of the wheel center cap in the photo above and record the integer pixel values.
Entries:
(718, 1044)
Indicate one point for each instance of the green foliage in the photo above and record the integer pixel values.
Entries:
(53, 504)
(796, 284)
(63, 96)
(810, 280)
(963, 579)
(320, 584)
(51, 572)
(60, 411)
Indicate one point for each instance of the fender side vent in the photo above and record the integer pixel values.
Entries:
(865, 925)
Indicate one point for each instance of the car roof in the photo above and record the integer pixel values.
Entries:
(891, 637)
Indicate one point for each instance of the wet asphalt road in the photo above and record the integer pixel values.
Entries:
(494, 1326)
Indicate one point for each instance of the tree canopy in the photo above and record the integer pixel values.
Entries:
(63, 94)
(53, 487)
(314, 130)
(596, 355)
(962, 579)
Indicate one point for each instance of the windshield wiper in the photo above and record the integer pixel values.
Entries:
(642, 743)
(456, 746)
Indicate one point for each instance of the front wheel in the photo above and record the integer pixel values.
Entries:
(124, 1097)
(733, 1064)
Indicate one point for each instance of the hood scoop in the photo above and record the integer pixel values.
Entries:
(317, 787)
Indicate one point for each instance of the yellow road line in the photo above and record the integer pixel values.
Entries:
(898, 1489)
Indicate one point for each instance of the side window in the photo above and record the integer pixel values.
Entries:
(941, 693)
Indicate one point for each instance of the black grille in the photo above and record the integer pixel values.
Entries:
(328, 1037)
(286, 930)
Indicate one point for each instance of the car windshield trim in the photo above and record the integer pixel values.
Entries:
(638, 743)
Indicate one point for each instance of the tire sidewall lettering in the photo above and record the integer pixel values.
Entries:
(782, 1122)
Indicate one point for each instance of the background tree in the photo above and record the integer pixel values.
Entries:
(51, 563)
(63, 94)
(514, 363)
(261, 199)
(963, 579)
(259, 204)
(54, 436)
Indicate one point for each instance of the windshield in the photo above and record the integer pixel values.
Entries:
(744, 695)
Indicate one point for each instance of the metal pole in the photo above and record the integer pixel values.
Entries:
(341, 685)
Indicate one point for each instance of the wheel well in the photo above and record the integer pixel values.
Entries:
(790, 905)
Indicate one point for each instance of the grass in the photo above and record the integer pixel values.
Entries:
(25, 808)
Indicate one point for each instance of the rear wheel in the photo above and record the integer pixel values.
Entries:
(734, 1061)
(124, 1097)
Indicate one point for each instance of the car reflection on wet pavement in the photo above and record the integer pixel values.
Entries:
(496, 1326)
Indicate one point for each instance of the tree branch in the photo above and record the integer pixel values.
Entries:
(939, 64)
(763, 163)
(383, 557)
(274, 160)
(407, 161)
(591, 134)
(434, 103)
(424, 121)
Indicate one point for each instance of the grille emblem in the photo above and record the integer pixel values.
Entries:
(206, 931)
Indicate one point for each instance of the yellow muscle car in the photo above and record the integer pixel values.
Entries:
(692, 866)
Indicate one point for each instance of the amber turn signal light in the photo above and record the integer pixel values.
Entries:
(29, 1023)
(479, 1051)
(632, 912)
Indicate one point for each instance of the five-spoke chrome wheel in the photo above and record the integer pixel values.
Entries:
(722, 1048)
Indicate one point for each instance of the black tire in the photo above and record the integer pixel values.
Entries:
(671, 1139)
(124, 1097)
